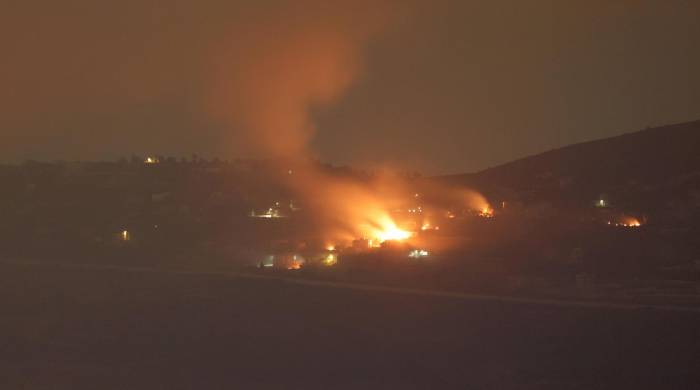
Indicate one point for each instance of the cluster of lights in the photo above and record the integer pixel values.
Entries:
(272, 212)
(633, 224)
(418, 253)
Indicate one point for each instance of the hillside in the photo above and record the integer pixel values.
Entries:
(640, 167)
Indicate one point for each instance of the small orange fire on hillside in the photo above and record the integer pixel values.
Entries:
(626, 221)
(486, 212)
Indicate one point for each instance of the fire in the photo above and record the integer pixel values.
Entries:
(393, 233)
(627, 222)
(294, 265)
(634, 223)
(486, 212)
(385, 229)
(348, 209)
(377, 230)
(296, 262)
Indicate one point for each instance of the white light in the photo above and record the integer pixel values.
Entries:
(417, 253)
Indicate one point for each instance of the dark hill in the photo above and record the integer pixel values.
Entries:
(651, 163)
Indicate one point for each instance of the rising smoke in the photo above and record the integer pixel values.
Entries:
(287, 60)
(280, 65)
(298, 58)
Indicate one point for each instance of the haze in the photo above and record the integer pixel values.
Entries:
(434, 86)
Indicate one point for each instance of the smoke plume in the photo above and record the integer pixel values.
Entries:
(273, 70)
(271, 73)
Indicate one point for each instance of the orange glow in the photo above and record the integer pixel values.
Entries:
(349, 209)
(486, 212)
(330, 259)
(428, 226)
(627, 222)
(383, 228)
(393, 233)
(294, 265)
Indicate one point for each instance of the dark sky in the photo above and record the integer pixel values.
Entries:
(438, 86)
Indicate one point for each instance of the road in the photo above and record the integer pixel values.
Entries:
(110, 328)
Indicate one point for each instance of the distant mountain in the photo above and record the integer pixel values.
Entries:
(640, 167)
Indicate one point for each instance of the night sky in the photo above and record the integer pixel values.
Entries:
(436, 86)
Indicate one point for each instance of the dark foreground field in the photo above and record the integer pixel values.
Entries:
(108, 329)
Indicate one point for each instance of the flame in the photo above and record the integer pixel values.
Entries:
(393, 234)
(633, 222)
(627, 222)
(486, 212)
(294, 265)
(348, 209)
(385, 229)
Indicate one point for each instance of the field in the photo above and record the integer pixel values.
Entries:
(68, 328)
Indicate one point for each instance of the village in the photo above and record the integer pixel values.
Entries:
(430, 233)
